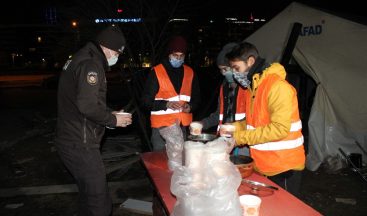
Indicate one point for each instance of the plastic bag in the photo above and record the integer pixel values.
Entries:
(208, 183)
(174, 145)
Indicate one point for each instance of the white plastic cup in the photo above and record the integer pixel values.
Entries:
(226, 130)
(123, 113)
(250, 205)
(195, 128)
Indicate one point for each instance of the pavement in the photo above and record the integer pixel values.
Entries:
(24, 80)
(35, 182)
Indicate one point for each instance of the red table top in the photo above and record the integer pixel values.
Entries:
(279, 203)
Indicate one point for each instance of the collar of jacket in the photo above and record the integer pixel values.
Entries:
(101, 55)
(258, 67)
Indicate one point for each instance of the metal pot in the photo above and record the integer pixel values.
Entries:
(202, 137)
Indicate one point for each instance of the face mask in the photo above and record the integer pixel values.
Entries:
(111, 61)
(229, 76)
(241, 78)
(176, 63)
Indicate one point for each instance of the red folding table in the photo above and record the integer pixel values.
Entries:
(280, 203)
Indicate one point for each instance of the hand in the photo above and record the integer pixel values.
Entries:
(186, 108)
(123, 120)
(175, 105)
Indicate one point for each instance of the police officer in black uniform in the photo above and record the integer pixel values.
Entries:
(83, 116)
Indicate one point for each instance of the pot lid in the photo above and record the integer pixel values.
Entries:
(258, 188)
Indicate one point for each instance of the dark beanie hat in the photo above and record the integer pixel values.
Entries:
(221, 58)
(177, 44)
(112, 38)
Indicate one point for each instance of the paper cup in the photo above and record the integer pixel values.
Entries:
(195, 128)
(123, 113)
(226, 130)
(250, 205)
(126, 116)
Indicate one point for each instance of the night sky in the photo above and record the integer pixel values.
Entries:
(34, 11)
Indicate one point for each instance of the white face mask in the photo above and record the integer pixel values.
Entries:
(112, 60)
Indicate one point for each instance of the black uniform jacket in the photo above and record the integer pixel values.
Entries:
(82, 110)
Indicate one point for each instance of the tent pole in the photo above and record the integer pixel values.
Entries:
(287, 54)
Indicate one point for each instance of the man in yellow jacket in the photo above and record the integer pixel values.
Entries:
(272, 128)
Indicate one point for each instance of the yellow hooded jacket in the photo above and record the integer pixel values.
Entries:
(272, 127)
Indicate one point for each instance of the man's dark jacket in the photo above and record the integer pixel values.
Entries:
(82, 110)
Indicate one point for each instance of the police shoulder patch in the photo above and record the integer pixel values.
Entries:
(92, 78)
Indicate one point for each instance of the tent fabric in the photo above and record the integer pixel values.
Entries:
(333, 51)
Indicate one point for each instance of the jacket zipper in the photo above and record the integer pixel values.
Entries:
(85, 131)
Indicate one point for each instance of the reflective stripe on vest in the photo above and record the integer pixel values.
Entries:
(296, 126)
(280, 145)
(170, 111)
(237, 117)
(240, 105)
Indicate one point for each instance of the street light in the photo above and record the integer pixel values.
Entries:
(74, 24)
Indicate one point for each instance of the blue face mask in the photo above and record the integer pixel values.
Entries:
(241, 78)
(176, 63)
(229, 76)
(111, 61)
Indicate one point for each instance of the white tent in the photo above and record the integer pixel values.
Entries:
(333, 51)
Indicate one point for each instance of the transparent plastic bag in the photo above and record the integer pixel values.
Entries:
(174, 145)
(208, 183)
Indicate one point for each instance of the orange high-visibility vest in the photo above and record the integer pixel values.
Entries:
(240, 105)
(162, 118)
(279, 155)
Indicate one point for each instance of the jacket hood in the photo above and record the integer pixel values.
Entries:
(277, 69)
(274, 68)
